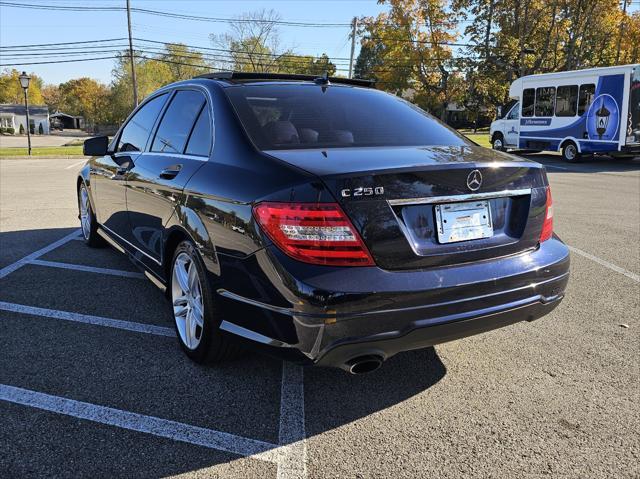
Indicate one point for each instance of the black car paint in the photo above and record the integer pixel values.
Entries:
(325, 314)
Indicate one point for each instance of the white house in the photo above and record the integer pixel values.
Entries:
(12, 116)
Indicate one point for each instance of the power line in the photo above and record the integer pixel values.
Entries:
(182, 16)
(61, 43)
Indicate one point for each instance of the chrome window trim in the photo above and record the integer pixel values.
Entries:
(176, 155)
(459, 198)
(130, 244)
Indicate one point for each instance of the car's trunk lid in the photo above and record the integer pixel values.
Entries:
(392, 196)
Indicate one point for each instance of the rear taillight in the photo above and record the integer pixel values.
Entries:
(547, 226)
(318, 233)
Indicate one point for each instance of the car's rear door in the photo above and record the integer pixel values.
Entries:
(108, 173)
(180, 146)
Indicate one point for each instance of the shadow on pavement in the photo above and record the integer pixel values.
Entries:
(151, 376)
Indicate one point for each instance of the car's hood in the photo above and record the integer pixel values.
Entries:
(337, 161)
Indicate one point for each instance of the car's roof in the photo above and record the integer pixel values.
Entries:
(239, 78)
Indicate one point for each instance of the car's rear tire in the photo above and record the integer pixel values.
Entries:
(195, 313)
(497, 142)
(570, 152)
(88, 221)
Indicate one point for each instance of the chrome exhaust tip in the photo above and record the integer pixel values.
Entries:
(364, 364)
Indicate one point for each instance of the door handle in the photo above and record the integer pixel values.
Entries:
(170, 172)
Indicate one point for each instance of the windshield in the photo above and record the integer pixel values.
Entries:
(294, 116)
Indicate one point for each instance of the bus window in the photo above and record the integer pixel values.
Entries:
(585, 98)
(545, 99)
(566, 100)
(528, 99)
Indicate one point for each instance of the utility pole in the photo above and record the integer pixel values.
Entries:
(624, 14)
(133, 65)
(354, 28)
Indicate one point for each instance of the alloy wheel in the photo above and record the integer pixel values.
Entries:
(186, 295)
(497, 144)
(570, 152)
(85, 213)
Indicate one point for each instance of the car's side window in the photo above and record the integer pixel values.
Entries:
(177, 122)
(514, 113)
(200, 140)
(136, 133)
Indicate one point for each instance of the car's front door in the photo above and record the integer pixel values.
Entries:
(108, 173)
(159, 175)
(512, 126)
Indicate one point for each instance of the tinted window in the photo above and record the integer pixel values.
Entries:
(545, 100)
(309, 116)
(567, 100)
(585, 98)
(136, 133)
(200, 140)
(528, 99)
(177, 122)
(514, 113)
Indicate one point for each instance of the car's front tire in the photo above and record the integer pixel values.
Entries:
(196, 316)
(88, 219)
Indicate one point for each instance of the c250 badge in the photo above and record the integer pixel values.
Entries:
(362, 191)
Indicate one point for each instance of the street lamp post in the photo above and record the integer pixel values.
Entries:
(24, 83)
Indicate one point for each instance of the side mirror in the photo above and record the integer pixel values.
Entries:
(499, 112)
(97, 146)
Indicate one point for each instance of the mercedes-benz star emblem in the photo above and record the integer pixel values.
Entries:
(474, 180)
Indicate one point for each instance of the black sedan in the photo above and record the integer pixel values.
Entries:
(320, 218)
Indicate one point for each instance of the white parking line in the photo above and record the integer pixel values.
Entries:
(76, 164)
(155, 426)
(89, 319)
(88, 269)
(293, 463)
(36, 254)
(606, 264)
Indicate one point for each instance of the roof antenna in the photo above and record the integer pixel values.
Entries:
(323, 79)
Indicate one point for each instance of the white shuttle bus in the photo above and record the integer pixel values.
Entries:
(578, 112)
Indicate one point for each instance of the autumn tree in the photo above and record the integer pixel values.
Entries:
(85, 97)
(11, 91)
(412, 49)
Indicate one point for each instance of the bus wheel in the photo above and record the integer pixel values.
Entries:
(498, 142)
(570, 152)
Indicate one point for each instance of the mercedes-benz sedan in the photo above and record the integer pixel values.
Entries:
(327, 221)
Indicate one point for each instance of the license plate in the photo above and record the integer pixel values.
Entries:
(464, 221)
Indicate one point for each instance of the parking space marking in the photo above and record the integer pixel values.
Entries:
(76, 164)
(36, 254)
(606, 264)
(293, 463)
(89, 319)
(89, 269)
(155, 426)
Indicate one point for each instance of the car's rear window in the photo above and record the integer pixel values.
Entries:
(295, 116)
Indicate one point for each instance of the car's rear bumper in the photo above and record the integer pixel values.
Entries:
(420, 334)
(331, 315)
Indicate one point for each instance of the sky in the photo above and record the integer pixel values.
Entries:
(30, 26)
(33, 26)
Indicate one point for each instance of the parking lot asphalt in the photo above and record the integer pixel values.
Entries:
(93, 384)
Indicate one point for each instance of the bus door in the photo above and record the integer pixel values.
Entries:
(633, 122)
(512, 126)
